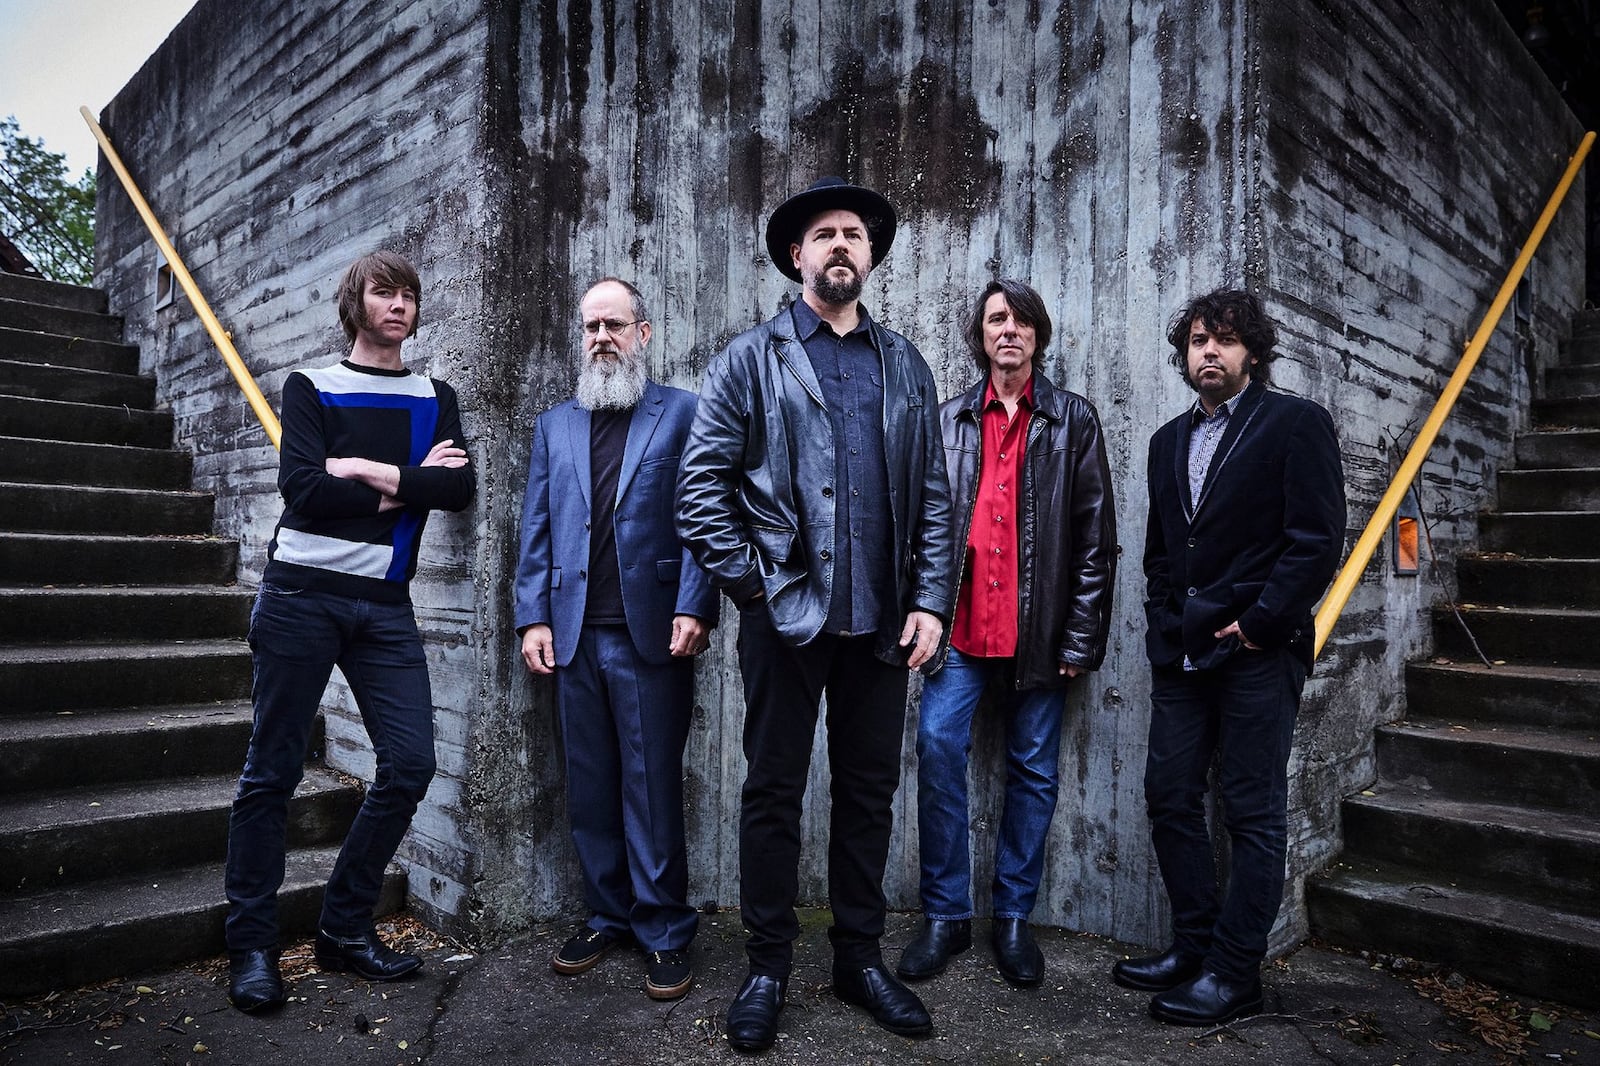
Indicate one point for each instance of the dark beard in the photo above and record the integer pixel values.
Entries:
(847, 291)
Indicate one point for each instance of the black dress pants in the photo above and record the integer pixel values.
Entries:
(783, 687)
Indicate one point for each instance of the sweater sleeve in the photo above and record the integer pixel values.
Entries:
(440, 488)
(303, 478)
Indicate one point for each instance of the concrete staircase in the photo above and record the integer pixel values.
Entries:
(124, 674)
(1479, 845)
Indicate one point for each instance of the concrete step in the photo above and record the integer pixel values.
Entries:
(42, 381)
(1501, 579)
(1573, 489)
(1573, 380)
(74, 677)
(1550, 857)
(1512, 764)
(67, 558)
(138, 613)
(52, 293)
(1558, 448)
(1560, 697)
(1541, 534)
(22, 416)
(1567, 412)
(78, 935)
(73, 835)
(1553, 635)
(31, 346)
(65, 749)
(1523, 947)
(82, 509)
(67, 321)
(76, 463)
(1584, 344)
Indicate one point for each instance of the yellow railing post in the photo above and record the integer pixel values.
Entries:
(219, 336)
(1343, 585)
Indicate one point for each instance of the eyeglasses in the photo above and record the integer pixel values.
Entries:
(613, 326)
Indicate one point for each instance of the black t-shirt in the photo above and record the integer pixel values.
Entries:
(608, 436)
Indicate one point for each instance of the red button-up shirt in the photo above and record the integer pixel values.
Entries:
(986, 610)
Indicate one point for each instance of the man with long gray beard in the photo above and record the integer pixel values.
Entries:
(608, 603)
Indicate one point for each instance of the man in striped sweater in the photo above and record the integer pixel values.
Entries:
(368, 449)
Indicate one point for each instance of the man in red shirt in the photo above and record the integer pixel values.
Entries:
(1032, 489)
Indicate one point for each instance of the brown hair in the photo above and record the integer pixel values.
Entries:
(385, 268)
(1025, 303)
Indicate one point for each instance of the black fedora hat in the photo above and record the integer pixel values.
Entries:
(828, 194)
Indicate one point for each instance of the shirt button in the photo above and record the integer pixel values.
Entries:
(999, 518)
(997, 551)
(995, 584)
(1193, 591)
(827, 490)
(1002, 455)
(825, 554)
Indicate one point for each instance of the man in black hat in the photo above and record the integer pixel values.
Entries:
(813, 490)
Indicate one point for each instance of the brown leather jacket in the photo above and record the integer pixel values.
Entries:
(1067, 550)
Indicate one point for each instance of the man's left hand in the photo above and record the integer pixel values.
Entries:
(925, 629)
(1233, 630)
(689, 635)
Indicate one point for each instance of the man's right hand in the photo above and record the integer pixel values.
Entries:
(539, 649)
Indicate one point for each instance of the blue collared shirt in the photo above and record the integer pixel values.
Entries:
(850, 371)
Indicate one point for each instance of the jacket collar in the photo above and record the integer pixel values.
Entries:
(1047, 399)
(1245, 406)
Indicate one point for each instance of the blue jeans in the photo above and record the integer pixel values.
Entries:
(297, 636)
(1243, 713)
(944, 741)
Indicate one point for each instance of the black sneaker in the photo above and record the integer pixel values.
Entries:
(582, 950)
(667, 974)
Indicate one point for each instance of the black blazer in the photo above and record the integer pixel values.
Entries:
(1260, 544)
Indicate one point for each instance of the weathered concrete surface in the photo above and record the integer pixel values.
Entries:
(1341, 158)
(506, 1006)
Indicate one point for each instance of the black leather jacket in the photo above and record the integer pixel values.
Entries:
(1067, 550)
(755, 485)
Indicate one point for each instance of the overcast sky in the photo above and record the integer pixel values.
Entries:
(58, 54)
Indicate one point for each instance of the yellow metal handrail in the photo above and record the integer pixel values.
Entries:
(1343, 585)
(219, 336)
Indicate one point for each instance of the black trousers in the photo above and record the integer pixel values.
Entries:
(783, 687)
(1243, 713)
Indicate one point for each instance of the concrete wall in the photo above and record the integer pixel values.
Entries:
(275, 143)
(1119, 156)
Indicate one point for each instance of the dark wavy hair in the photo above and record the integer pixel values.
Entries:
(385, 268)
(1226, 310)
(1024, 302)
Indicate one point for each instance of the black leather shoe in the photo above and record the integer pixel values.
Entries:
(1016, 953)
(1157, 973)
(930, 952)
(254, 983)
(891, 1004)
(364, 955)
(753, 1014)
(1208, 1000)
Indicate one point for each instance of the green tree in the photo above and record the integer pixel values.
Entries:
(46, 214)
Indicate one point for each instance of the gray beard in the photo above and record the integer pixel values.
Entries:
(608, 386)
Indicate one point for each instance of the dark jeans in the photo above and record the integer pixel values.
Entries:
(297, 637)
(1243, 712)
(944, 741)
(783, 686)
(624, 723)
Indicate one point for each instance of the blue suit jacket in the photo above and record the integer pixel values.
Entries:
(659, 579)
(1260, 544)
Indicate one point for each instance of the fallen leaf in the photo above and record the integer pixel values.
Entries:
(200, 1049)
(145, 989)
(1538, 1022)
(403, 1045)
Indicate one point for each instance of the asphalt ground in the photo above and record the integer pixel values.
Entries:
(505, 1005)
